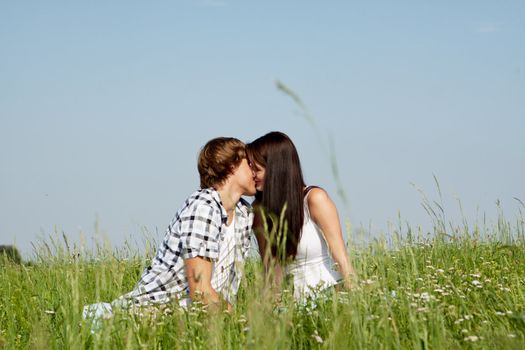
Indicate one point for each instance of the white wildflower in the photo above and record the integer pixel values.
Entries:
(511, 335)
(476, 283)
(475, 275)
(499, 313)
(440, 270)
(50, 312)
(464, 331)
(425, 296)
(472, 338)
(317, 338)
(468, 317)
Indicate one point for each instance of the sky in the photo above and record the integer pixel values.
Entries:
(104, 106)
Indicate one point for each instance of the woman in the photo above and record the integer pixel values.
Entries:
(305, 238)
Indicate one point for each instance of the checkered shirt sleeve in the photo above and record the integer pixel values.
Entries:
(199, 231)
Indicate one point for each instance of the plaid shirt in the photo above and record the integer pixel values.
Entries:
(197, 230)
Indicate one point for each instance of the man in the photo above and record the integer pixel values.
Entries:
(206, 243)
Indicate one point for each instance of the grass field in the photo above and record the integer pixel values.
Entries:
(458, 287)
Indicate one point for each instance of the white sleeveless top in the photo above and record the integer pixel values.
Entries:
(313, 268)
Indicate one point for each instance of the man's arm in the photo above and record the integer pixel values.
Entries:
(199, 271)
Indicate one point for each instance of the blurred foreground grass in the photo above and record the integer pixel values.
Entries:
(453, 290)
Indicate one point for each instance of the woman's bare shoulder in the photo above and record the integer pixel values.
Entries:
(317, 197)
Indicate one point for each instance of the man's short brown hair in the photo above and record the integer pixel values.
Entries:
(218, 159)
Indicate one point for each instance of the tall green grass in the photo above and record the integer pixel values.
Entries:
(458, 287)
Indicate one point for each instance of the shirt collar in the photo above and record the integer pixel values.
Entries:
(242, 205)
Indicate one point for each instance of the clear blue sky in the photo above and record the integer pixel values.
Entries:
(105, 104)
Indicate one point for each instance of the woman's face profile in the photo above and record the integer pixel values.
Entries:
(258, 175)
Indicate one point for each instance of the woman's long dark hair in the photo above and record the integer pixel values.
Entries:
(283, 185)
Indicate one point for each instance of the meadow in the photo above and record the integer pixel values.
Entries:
(456, 287)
